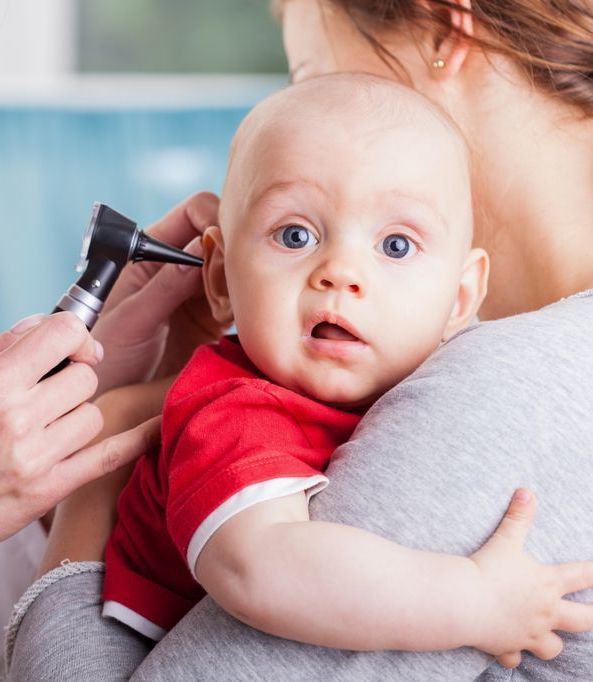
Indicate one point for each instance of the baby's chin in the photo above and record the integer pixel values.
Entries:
(340, 396)
(342, 388)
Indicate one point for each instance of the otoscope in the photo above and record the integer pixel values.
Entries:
(111, 240)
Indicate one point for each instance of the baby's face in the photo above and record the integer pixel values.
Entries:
(344, 243)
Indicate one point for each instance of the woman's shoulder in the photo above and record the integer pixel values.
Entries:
(565, 325)
(515, 359)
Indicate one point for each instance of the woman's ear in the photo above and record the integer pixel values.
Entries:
(215, 283)
(451, 40)
(472, 290)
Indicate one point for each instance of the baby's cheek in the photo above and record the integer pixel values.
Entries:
(405, 351)
(260, 344)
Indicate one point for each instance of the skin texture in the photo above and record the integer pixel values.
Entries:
(407, 176)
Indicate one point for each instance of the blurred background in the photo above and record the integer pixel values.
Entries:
(132, 103)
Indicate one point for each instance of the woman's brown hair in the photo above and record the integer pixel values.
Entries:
(552, 40)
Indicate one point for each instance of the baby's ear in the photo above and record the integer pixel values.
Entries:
(215, 283)
(471, 292)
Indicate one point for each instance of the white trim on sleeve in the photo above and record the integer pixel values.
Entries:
(252, 494)
(113, 609)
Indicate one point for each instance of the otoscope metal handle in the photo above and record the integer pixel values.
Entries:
(65, 362)
(111, 241)
(85, 306)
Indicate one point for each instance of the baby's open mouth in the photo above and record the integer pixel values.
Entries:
(332, 332)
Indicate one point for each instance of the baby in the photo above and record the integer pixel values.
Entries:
(344, 258)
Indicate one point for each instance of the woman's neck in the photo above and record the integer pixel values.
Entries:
(534, 205)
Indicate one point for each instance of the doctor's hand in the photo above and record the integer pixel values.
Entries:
(45, 425)
(157, 314)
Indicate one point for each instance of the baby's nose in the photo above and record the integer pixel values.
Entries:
(334, 275)
(329, 284)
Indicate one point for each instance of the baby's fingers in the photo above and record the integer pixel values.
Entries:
(548, 647)
(575, 617)
(509, 660)
(519, 516)
(575, 576)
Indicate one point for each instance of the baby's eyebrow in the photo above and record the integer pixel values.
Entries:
(286, 186)
(418, 204)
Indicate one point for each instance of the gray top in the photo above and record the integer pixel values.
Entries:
(433, 465)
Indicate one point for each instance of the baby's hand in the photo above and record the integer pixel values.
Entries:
(522, 600)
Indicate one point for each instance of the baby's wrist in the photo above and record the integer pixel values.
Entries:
(475, 607)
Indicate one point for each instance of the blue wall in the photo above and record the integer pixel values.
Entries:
(54, 163)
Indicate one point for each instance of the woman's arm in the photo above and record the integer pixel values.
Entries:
(83, 522)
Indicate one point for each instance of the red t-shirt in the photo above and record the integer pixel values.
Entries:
(230, 439)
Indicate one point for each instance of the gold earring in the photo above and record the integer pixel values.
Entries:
(439, 63)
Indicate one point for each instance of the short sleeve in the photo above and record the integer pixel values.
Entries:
(241, 448)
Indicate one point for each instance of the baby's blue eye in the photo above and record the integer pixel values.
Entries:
(397, 246)
(295, 237)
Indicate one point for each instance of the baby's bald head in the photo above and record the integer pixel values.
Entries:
(365, 105)
(346, 95)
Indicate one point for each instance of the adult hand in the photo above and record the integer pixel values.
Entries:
(157, 314)
(44, 424)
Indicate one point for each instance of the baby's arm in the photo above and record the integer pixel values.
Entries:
(338, 586)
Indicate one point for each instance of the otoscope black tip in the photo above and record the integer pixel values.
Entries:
(187, 259)
(148, 248)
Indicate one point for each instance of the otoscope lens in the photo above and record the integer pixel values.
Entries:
(88, 237)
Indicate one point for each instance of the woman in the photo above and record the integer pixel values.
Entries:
(506, 403)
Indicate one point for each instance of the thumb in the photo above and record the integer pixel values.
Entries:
(511, 660)
(518, 519)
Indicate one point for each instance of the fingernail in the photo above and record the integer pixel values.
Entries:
(522, 496)
(99, 351)
(27, 323)
(191, 249)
